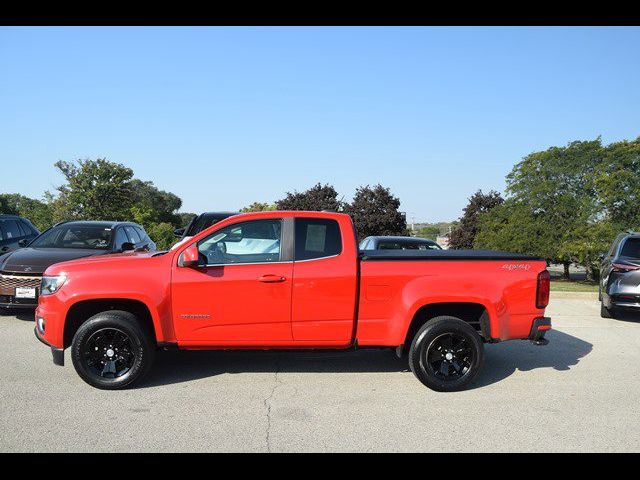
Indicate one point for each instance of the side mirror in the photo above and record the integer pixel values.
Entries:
(179, 232)
(126, 246)
(190, 257)
(23, 243)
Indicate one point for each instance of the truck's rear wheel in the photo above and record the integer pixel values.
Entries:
(111, 350)
(446, 354)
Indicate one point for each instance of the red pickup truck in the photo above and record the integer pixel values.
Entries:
(290, 280)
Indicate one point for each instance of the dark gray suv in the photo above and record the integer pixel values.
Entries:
(620, 276)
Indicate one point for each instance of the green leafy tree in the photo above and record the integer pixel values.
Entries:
(464, 235)
(94, 190)
(617, 183)
(185, 218)
(259, 207)
(552, 210)
(104, 190)
(38, 212)
(163, 205)
(430, 232)
(374, 211)
(317, 198)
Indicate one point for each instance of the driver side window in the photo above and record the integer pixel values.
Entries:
(257, 241)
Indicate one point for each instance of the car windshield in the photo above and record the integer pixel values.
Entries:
(75, 236)
(631, 248)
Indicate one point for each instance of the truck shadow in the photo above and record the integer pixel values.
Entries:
(501, 361)
(24, 314)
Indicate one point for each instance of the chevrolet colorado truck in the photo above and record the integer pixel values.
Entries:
(290, 280)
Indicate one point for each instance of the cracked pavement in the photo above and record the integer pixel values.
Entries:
(573, 395)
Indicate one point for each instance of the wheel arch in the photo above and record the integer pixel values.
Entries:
(82, 310)
(474, 313)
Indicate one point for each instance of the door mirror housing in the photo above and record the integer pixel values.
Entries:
(190, 257)
(23, 243)
(179, 232)
(126, 246)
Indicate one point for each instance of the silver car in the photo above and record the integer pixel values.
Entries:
(620, 276)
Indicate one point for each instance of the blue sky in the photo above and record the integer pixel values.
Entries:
(226, 116)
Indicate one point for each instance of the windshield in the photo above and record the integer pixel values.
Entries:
(75, 236)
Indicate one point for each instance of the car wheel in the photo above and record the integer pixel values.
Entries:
(606, 312)
(446, 354)
(111, 350)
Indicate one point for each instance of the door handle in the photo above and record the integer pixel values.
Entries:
(271, 278)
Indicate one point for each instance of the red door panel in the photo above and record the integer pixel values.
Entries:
(232, 304)
(324, 295)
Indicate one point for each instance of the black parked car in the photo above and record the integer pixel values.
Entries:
(620, 276)
(15, 232)
(398, 243)
(199, 223)
(21, 270)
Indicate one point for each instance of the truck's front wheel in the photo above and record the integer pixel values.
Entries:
(446, 354)
(111, 350)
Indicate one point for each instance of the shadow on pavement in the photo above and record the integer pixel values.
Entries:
(26, 314)
(628, 316)
(501, 360)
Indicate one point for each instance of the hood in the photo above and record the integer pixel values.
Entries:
(36, 260)
(114, 259)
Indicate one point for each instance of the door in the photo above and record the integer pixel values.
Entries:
(325, 283)
(240, 295)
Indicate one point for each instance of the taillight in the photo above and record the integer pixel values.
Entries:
(622, 267)
(542, 293)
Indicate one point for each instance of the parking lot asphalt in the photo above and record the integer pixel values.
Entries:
(579, 393)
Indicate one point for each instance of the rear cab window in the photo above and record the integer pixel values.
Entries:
(316, 238)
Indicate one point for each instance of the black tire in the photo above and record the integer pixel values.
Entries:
(606, 312)
(128, 350)
(429, 358)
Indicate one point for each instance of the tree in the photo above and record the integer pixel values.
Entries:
(319, 197)
(552, 208)
(163, 205)
(104, 190)
(39, 213)
(464, 235)
(95, 190)
(259, 207)
(185, 218)
(617, 183)
(375, 212)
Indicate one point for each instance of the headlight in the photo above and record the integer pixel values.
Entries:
(50, 285)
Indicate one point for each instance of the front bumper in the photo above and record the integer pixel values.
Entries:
(539, 328)
(57, 353)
